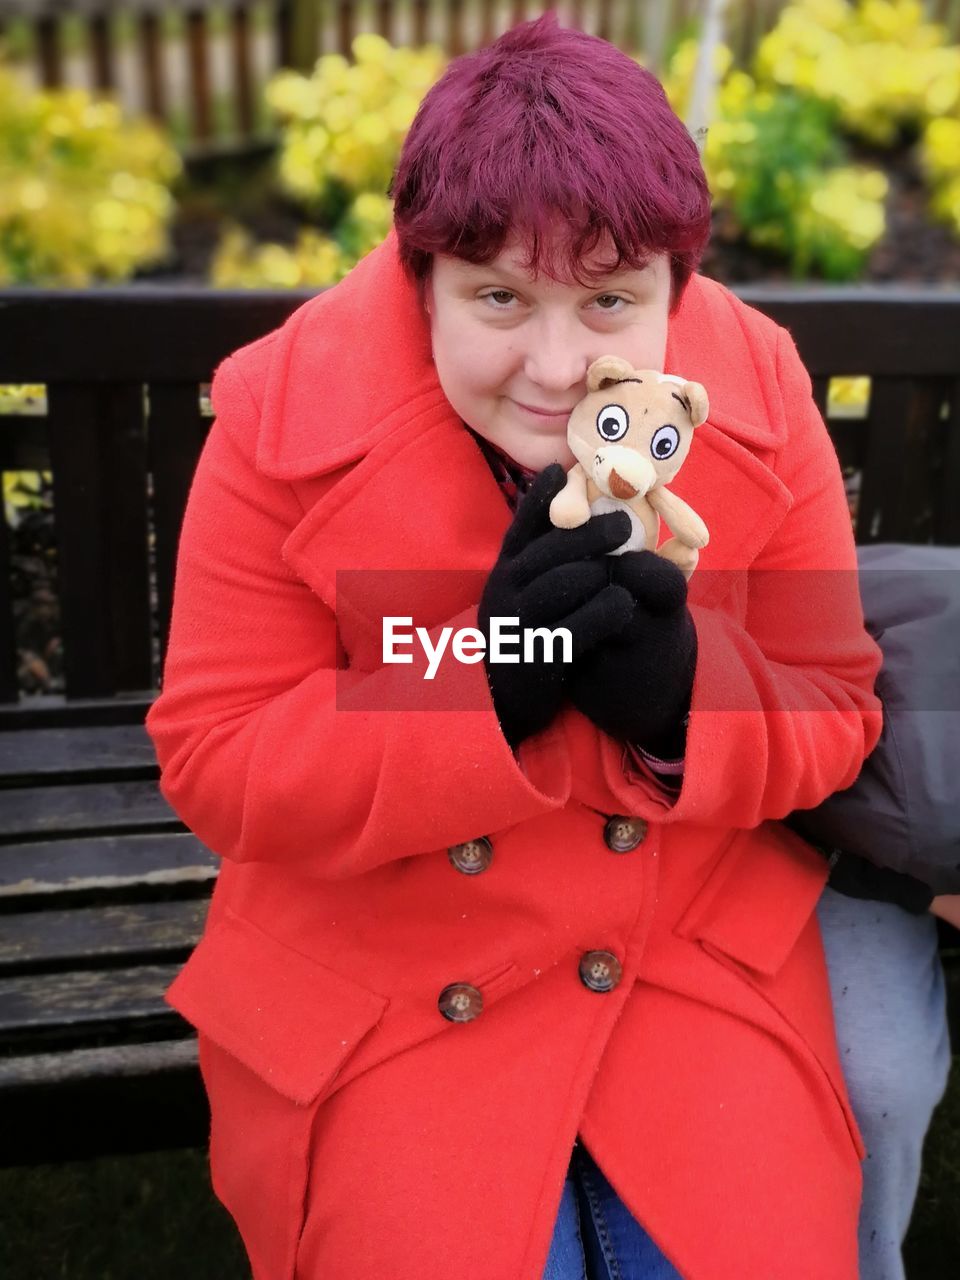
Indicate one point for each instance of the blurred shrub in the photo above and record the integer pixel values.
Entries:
(878, 63)
(345, 122)
(344, 127)
(316, 260)
(775, 153)
(848, 397)
(22, 492)
(774, 161)
(940, 161)
(84, 192)
(240, 263)
(889, 74)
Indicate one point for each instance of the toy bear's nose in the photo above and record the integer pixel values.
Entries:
(623, 473)
(619, 487)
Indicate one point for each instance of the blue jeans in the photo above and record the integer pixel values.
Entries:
(595, 1236)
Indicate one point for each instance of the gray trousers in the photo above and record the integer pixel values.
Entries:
(889, 1001)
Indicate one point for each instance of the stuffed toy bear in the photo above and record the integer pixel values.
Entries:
(630, 434)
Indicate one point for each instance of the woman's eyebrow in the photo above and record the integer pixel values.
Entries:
(618, 277)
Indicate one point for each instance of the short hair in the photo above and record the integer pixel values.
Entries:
(550, 121)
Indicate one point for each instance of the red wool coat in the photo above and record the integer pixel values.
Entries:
(357, 1132)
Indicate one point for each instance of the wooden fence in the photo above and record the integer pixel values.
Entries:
(124, 425)
(213, 55)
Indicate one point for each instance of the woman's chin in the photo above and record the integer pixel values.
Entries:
(537, 449)
(536, 458)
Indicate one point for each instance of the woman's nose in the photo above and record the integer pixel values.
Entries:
(556, 361)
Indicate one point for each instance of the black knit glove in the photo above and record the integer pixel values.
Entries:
(637, 685)
(548, 577)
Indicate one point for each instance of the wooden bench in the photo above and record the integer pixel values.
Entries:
(102, 891)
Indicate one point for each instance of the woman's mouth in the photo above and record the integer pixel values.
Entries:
(545, 415)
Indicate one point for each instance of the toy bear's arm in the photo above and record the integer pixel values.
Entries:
(571, 507)
(683, 521)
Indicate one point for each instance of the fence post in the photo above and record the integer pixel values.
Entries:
(700, 110)
(299, 21)
(49, 52)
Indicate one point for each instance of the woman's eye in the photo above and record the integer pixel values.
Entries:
(665, 442)
(503, 293)
(611, 297)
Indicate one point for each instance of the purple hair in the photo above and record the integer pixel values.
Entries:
(550, 122)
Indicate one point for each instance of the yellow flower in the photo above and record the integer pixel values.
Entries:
(84, 192)
(371, 48)
(940, 147)
(315, 260)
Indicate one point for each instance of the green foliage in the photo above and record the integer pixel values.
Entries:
(789, 188)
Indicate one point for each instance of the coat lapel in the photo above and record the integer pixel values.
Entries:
(410, 531)
(741, 501)
(727, 477)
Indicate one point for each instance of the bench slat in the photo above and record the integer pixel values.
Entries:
(87, 1003)
(55, 710)
(137, 932)
(81, 1102)
(84, 807)
(112, 1062)
(27, 755)
(104, 863)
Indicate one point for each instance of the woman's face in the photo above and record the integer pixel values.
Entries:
(506, 344)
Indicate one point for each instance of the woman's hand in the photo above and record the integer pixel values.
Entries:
(947, 907)
(637, 684)
(548, 577)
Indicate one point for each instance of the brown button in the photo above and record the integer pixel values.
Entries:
(471, 857)
(623, 834)
(600, 970)
(459, 1002)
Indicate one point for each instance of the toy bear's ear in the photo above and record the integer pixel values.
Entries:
(607, 369)
(699, 404)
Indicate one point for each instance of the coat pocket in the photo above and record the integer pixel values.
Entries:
(274, 1029)
(286, 1017)
(758, 898)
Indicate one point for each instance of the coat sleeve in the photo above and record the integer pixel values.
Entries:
(783, 711)
(255, 756)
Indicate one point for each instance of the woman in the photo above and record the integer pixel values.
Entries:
(466, 941)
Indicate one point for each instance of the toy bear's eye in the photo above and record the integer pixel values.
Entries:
(613, 422)
(665, 442)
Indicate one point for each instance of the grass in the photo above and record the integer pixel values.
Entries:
(932, 1249)
(144, 1217)
(151, 1217)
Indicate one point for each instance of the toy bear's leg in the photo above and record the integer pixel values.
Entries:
(570, 508)
(684, 557)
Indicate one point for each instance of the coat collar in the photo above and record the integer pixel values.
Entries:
(370, 329)
(371, 322)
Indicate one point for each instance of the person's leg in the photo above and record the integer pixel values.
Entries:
(615, 1244)
(889, 1005)
(565, 1260)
